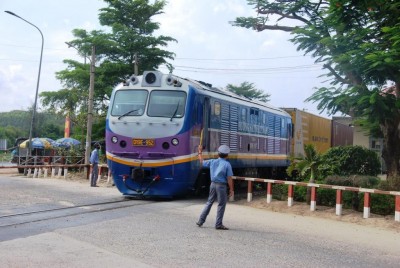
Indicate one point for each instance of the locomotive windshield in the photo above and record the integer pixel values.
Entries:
(129, 103)
(169, 104)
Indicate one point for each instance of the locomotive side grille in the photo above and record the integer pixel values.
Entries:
(229, 126)
(225, 124)
(277, 140)
(224, 112)
(233, 138)
(271, 124)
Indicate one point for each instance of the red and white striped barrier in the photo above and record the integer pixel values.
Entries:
(290, 195)
(269, 192)
(339, 202)
(313, 203)
(249, 191)
(314, 186)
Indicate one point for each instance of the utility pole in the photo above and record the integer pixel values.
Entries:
(90, 109)
(136, 72)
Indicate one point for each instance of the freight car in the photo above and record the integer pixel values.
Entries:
(322, 132)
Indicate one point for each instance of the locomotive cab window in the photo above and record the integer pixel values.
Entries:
(129, 103)
(254, 115)
(169, 104)
(264, 119)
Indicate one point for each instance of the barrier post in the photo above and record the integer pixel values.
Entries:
(339, 202)
(109, 178)
(53, 172)
(46, 171)
(313, 203)
(249, 191)
(59, 171)
(65, 172)
(28, 174)
(35, 173)
(99, 173)
(290, 195)
(230, 198)
(269, 192)
(397, 208)
(367, 205)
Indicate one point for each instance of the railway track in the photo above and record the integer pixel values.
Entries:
(23, 218)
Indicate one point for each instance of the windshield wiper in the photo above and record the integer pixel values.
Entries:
(125, 114)
(176, 110)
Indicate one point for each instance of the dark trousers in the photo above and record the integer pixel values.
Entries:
(217, 191)
(94, 175)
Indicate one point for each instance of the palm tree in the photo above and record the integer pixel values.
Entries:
(306, 165)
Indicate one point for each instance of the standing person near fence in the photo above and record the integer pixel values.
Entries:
(94, 160)
(221, 177)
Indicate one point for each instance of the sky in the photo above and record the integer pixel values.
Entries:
(208, 49)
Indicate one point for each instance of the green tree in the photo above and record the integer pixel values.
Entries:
(306, 166)
(129, 41)
(16, 124)
(248, 90)
(350, 160)
(359, 44)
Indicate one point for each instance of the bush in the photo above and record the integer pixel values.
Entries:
(392, 185)
(382, 204)
(279, 191)
(370, 182)
(347, 160)
(326, 197)
(300, 194)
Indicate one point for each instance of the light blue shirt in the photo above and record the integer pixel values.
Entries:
(94, 157)
(220, 169)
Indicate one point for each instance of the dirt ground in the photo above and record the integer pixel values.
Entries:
(302, 209)
(260, 202)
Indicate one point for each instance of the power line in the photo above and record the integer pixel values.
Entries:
(10, 45)
(238, 59)
(197, 69)
(253, 69)
(242, 73)
(186, 58)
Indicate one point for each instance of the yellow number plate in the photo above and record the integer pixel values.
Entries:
(143, 142)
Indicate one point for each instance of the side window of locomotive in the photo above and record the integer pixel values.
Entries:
(216, 114)
(254, 116)
(283, 127)
(169, 104)
(217, 108)
(243, 115)
(129, 102)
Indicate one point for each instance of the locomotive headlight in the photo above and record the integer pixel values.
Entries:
(175, 141)
(114, 139)
(150, 78)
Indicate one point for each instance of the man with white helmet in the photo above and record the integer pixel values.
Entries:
(221, 177)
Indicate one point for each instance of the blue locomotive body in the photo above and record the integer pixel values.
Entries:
(156, 121)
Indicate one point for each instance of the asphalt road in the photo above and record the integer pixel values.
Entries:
(148, 233)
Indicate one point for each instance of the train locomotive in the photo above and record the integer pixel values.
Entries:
(155, 123)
